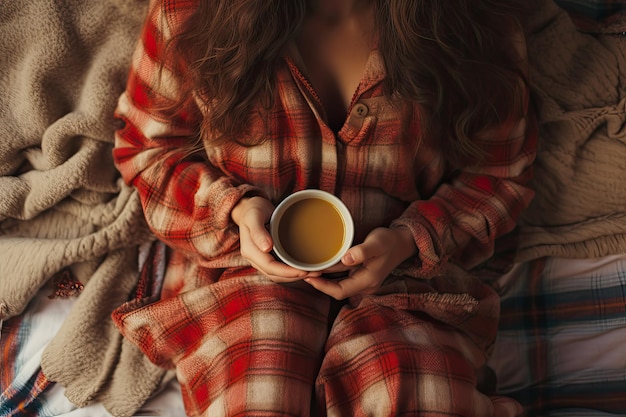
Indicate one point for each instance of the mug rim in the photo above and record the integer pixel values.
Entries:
(302, 195)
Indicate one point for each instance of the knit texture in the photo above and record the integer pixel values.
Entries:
(62, 205)
(579, 86)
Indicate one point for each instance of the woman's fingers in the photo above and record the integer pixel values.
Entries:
(369, 262)
(255, 241)
(339, 290)
(261, 238)
(361, 281)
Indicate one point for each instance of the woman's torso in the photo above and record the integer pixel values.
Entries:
(374, 161)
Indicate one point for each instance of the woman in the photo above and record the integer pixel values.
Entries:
(413, 113)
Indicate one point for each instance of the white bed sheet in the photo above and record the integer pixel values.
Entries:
(42, 319)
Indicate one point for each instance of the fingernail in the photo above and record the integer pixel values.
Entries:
(347, 259)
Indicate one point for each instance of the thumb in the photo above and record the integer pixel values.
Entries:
(355, 255)
(371, 247)
(261, 238)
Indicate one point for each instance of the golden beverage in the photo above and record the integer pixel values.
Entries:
(311, 231)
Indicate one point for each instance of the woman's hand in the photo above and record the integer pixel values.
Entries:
(369, 263)
(251, 215)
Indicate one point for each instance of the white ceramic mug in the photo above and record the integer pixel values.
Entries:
(311, 229)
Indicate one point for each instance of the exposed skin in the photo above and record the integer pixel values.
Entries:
(368, 263)
(335, 42)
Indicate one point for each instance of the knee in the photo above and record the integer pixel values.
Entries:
(392, 376)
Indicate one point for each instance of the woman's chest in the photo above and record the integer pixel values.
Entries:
(334, 58)
(378, 148)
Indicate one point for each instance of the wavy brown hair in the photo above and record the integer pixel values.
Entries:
(453, 57)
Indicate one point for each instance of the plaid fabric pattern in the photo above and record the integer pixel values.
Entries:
(22, 383)
(18, 396)
(242, 345)
(248, 346)
(403, 354)
(560, 345)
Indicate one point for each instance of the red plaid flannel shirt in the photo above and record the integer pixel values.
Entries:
(375, 163)
(385, 175)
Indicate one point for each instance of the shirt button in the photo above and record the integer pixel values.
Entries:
(360, 110)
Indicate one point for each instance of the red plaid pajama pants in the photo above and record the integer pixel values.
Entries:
(245, 346)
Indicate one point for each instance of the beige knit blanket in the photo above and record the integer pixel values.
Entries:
(579, 84)
(63, 64)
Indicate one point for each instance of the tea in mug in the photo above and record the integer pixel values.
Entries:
(311, 231)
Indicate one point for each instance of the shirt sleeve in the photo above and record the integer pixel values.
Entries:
(186, 201)
(465, 215)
